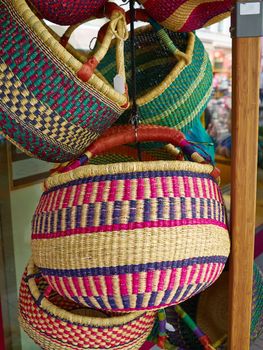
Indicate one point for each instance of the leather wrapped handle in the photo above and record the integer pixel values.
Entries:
(126, 134)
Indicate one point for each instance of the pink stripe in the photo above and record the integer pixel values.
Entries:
(113, 190)
(41, 205)
(100, 191)
(162, 280)
(210, 189)
(198, 279)
(135, 283)
(67, 196)
(131, 226)
(50, 281)
(77, 195)
(140, 189)
(149, 281)
(123, 285)
(183, 276)
(172, 279)
(164, 187)
(187, 187)
(58, 285)
(153, 187)
(196, 189)
(191, 275)
(75, 281)
(96, 280)
(109, 284)
(205, 194)
(127, 190)
(176, 188)
(88, 191)
(71, 293)
(87, 286)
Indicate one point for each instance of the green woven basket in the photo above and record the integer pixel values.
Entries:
(174, 76)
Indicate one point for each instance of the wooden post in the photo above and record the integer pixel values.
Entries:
(246, 73)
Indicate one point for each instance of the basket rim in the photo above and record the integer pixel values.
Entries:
(65, 56)
(56, 311)
(125, 167)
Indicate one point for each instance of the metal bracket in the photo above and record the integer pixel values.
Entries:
(247, 19)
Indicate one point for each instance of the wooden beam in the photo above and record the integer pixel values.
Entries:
(246, 72)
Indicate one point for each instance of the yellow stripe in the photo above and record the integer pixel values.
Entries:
(179, 17)
(133, 247)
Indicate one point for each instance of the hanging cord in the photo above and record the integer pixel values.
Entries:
(135, 118)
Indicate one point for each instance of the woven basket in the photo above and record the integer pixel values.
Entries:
(174, 76)
(56, 323)
(131, 236)
(67, 12)
(53, 106)
(187, 15)
(209, 310)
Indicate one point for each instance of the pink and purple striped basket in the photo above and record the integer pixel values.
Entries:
(132, 236)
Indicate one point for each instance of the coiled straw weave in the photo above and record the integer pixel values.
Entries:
(55, 323)
(131, 236)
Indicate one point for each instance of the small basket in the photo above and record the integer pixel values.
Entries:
(52, 105)
(174, 75)
(187, 15)
(67, 12)
(135, 235)
(59, 324)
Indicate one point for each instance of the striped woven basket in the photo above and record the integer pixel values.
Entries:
(59, 324)
(131, 236)
(187, 15)
(67, 12)
(174, 75)
(52, 105)
(209, 310)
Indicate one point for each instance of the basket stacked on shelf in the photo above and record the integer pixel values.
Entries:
(114, 239)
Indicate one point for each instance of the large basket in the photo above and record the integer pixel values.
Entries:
(53, 106)
(59, 324)
(67, 12)
(187, 15)
(131, 236)
(174, 75)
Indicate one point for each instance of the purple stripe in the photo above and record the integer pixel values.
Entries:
(128, 269)
(129, 226)
(103, 213)
(132, 215)
(147, 210)
(130, 176)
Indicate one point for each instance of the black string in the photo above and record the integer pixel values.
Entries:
(135, 119)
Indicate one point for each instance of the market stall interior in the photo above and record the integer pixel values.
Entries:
(131, 175)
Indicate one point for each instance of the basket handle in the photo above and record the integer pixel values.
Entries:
(126, 134)
(141, 15)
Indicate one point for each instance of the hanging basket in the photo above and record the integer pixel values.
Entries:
(67, 12)
(187, 15)
(59, 324)
(52, 106)
(131, 236)
(174, 75)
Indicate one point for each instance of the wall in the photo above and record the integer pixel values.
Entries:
(23, 204)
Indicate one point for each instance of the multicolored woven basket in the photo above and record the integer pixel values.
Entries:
(187, 15)
(56, 323)
(209, 311)
(53, 106)
(131, 236)
(67, 12)
(174, 75)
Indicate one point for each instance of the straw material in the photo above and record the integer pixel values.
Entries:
(45, 108)
(209, 311)
(174, 77)
(187, 15)
(131, 236)
(59, 324)
(66, 12)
